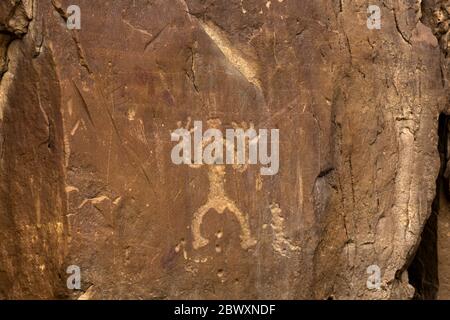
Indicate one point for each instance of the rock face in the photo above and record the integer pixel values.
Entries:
(87, 179)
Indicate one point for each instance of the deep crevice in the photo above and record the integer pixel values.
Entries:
(424, 269)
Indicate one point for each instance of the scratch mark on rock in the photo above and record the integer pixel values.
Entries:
(80, 51)
(83, 104)
(153, 39)
(399, 30)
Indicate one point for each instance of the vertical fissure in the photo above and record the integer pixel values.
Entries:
(429, 271)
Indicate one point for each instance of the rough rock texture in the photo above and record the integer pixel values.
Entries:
(32, 196)
(86, 176)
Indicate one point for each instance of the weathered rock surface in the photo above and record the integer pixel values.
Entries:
(86, 174)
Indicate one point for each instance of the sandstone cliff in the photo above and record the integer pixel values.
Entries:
(86, 176)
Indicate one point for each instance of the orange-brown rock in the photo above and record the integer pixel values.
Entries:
(86, 176)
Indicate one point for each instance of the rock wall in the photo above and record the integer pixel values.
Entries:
(86, 172)
(33, 200)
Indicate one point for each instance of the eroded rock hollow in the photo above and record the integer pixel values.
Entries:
(358, 208)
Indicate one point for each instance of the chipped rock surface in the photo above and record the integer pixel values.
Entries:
(86, 176)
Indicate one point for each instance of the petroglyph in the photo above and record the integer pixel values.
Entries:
(281, 244)
(218, 199)
(251, 147)
(94, 201)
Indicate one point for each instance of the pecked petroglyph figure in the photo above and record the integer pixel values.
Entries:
(217, 197)
(219, 201)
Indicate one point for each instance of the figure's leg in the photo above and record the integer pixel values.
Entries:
(197, 220)
(246, 239)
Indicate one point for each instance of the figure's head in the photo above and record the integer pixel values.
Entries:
(214, 123)
(218, 169)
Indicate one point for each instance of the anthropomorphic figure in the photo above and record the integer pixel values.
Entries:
(218, 200)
